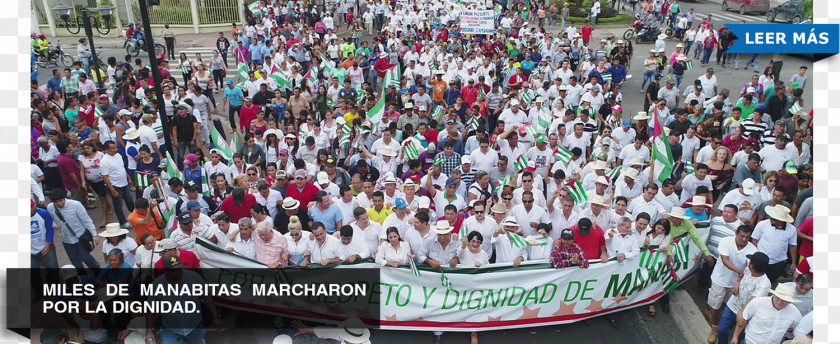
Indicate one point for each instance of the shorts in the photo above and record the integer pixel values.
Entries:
(718, 296)
(98, 187)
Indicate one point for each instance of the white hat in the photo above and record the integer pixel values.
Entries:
(131, 134)
(586, 98)
(620, 41)
(67, 272)
(389, 179)
(653, 50)
(562, 88)
(269, 132)
(466, 160)
(540, 99)
(636, 162)
(680, 45)
(514, 102)
(443, 227)
(698, 200)
(113, 230)
(603, 180)
(785, 292)
(779, 212)
(123, 112)
(640, 116)
(662, 36)
(599, 200)
(677, 212)
(323, 178)
(748, 185)
(340, 120)
(387, 151)
(354, 331)
(408, 105)
(631, 173)
(510, 221)
(136, 337)
(681, 57)
(290, 203)
(409, 183)
(424, 202)
(750, 89)
(282, 339)
(600, 165)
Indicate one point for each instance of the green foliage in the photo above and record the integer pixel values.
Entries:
(808, 6)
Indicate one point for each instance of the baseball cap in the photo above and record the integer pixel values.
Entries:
(193, 205)
(540, 139)
(749, 186)
(400, 203)
(323, 178)
(790, 167)
(466, 160)
(165, 244)
(300, 174)
(451, 182)
(567, 234)
(190, 158)
(584, 226)
(229, 82)
(185, 218)
(627, 123)
(191, 186)
(284, 152)
(759, 260)
(424, 202)
(330, 161)
(785, 137)
(172, 263)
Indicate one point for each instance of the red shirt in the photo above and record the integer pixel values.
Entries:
(806, 249)
(590, 244)
(469, 94)
(187, 258)
(381, 66)
(457, 227)
(586, 33)
(237, 212)
(246, 115)
(304, 196)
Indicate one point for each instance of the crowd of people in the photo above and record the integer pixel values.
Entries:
(425, 144)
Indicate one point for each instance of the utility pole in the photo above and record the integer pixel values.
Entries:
(153, 61)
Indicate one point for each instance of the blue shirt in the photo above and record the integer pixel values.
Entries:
(699, 217)
(234, 96)
(329, 217)
(527, 65)
(193, 175)
(115, 276)
(618, 74)
(54, 85)
(40, 230)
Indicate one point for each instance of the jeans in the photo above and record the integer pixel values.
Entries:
(728, 320)
(79, 255)
(183, 147)
(734, 59)
(648, 76)
(563, 23)
(698, 50)
(233, 109)
(552, 20)
(125, 196)
(86, 66)
(541, 22)
(754, 61)
(688, 47)
(194, 337)
(707, 54)
(678, 80)
(50, 262)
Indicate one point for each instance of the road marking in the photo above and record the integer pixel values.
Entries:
(730, 16)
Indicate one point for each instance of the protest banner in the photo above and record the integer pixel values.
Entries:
(477, 22)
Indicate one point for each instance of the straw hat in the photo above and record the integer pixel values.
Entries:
(354, 331)
(662, 36)
(498, 208)
(640, 116)
(443, 227)
(698, 200)
(387, 151)
(113, 230)
(131, 134)
(676, 212)
(631, 173)
(785, 292)
(681, 57)
(290, 203)
(779, 212)
(603, 180)
(599, 200)
(411, 184)
(510, 221)
(600, 165)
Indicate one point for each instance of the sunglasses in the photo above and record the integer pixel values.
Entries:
(507, 198)
(252, 174)
(478, 211)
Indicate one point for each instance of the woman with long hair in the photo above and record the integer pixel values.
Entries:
(720, 170)
(205, 81)
(90, 159)
(186, 66)
(660, 237)
(765, 189)
(394, 251)
(767, 79)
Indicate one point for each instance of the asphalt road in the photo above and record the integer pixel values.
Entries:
(636, 325)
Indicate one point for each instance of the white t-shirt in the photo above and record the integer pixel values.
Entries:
(765, 324)
(709, 85)
(690, 184)
(112, 166)
(630, 153)
(747, 205)
(721, 275)
(773, 159)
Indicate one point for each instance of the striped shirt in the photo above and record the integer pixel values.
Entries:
(752, 127)
(721, 229)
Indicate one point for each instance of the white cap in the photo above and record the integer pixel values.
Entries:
(466, 160)
(323, 178)
(749, 186)
(68, 271)
(424, 202)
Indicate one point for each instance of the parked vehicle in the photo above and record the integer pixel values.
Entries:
(646, 35)
(746, 6)
(791, 11)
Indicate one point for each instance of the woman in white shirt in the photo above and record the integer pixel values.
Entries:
(470, 253)
(393, 252)
(115, 238)
(145, 256)
(297, 239)
(541, 244)
(660, 235)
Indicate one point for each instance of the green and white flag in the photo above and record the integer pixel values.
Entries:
(516, 239)
(280, 78)
(444, 281)
(97, 112)
(375, 113)
(219, 143)
(242, 72)
(612, 174)
(576, 191)
(254, 8)
(141, 180)
(562, 155)
(531, 130)
(234, 147)
(172, 168)
(346, 132)
(312, 76)
(503, 182)
(607, 76)
(393, 75)
(361, 97)
(795, 108)
(539, 241)
(472, 123)
(481, 93)
(463, 233)
(412, 148)
(205, 183)
(414, 270)
(526, 98)
(689, 65)
(689, 167)
(438, 113)
(661, 153)
(521, 163)
(544, 119)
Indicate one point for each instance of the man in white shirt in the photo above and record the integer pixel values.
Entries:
(351, 249)
(484, 158)
(116, 180)
(367, 231)
(243, 243)
(636, 151)
(528, 214)
(268, 197)
(690, 182)
(620, 241)
(666, 197)
(774, 156)
(709, 83)
(483, 223)
(769, 318)
(324, 250)
(440, 251)
(345, 202)
(506, 251)
(777, 238)
(730, 267)
(419, 236)
(745, 198)
(400, 218)
(647, 204)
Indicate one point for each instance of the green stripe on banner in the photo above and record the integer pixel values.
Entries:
(414, 269)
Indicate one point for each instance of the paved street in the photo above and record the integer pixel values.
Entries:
(685, 324)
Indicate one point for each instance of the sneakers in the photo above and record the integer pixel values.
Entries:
(712, 335)
(126, 226)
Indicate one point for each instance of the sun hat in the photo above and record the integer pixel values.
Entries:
(387, 151)
(443, 227)
(779, 212)
(676, 212)
(698, 200)
(599, 200)
(510, 221)
(640, 116)
(131, 134)
(113, 230)
(354, 331)
(785, 292)
(410, 184)
(424, 202)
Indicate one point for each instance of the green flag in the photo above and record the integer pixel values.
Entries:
(414, 270)
(575, 190)
(141, 180)
(375, 113)
(220, 143)
(521, 163)
(562, 155)
(516, 239)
